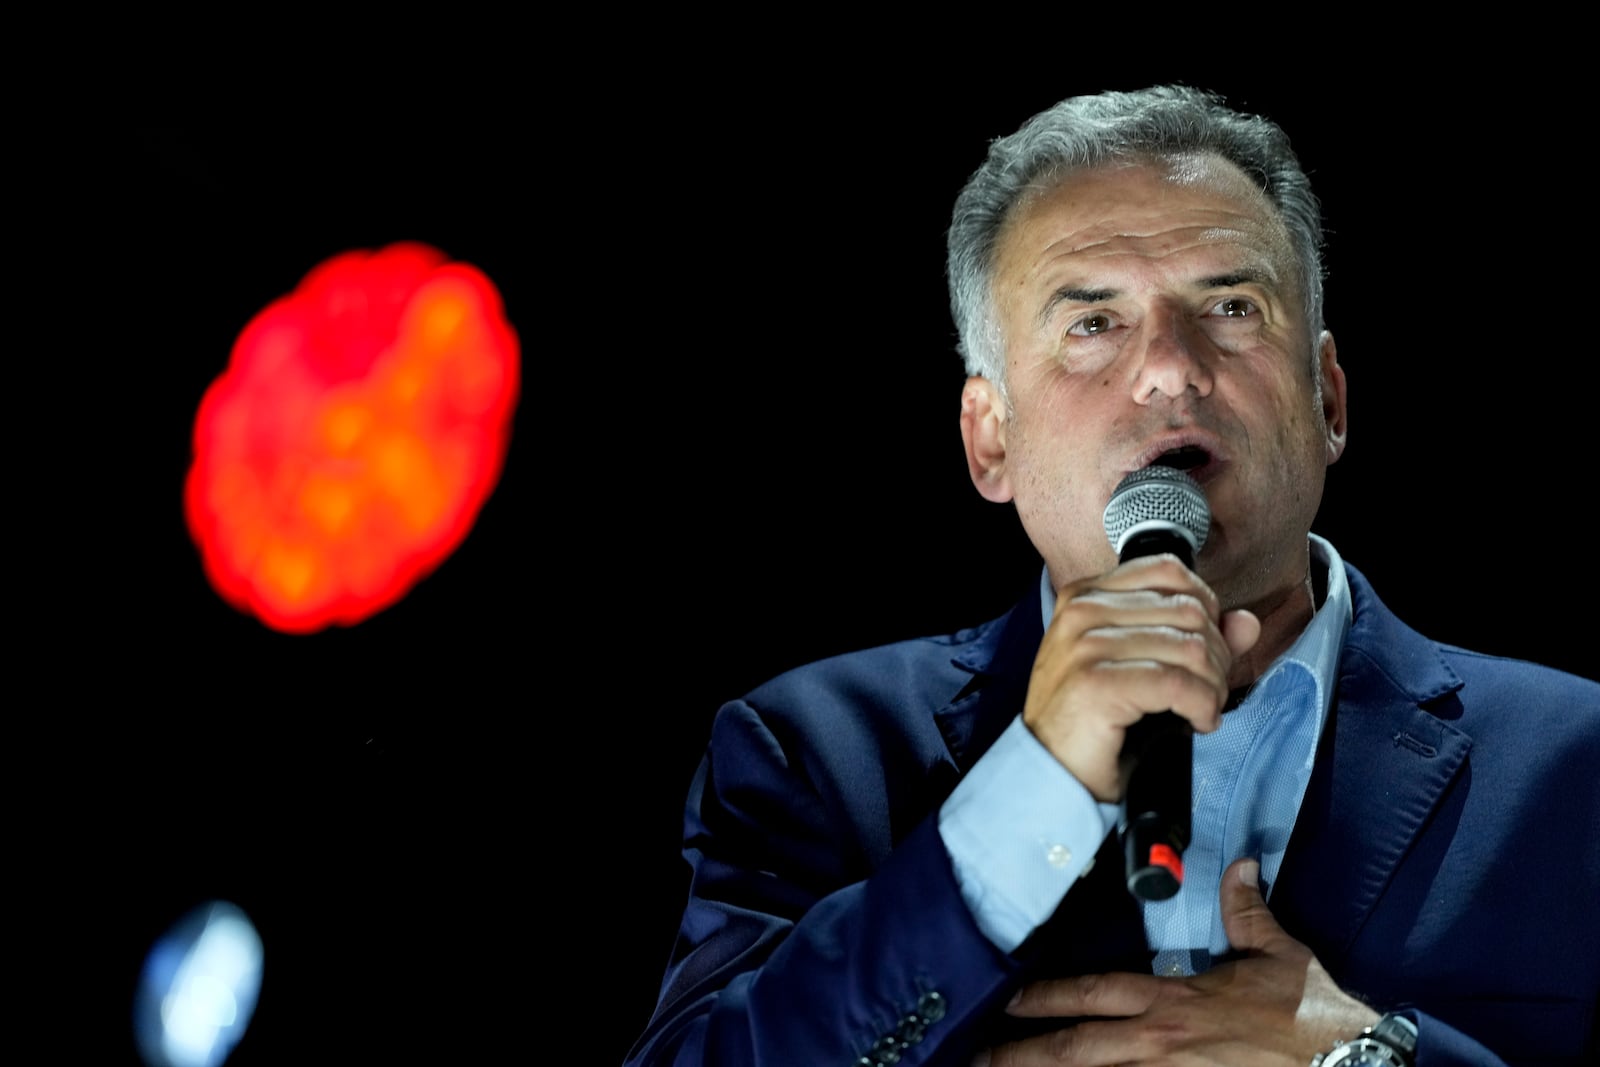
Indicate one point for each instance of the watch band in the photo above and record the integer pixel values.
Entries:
(1399, 1032)
(1389, 1042)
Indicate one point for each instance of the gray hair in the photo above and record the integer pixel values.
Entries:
(1083, 132)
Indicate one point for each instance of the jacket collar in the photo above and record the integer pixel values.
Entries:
(995, 660)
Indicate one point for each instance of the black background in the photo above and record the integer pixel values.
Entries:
(736, 450)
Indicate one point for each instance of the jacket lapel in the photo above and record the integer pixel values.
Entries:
(1383, 764)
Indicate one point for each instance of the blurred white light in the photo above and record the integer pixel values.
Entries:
(198, 989)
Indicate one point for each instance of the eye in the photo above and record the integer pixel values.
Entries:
(1235, 307)
(1089, 325)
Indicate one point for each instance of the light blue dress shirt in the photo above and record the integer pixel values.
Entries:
(1018, 848)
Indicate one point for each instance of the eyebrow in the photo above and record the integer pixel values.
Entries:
(1067, 293)
(1247, 276)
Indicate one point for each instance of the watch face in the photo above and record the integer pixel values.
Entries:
(1364, 1052)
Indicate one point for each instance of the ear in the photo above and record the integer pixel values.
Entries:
(983, 430)
(1334, 414)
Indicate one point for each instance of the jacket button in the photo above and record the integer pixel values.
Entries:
(911, 1030)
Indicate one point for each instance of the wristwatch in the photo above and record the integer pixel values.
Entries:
(1389, 1042)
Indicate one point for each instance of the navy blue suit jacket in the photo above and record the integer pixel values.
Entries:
(1444, 859)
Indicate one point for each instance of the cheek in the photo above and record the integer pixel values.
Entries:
(1302, 454)
(1055, 499)
(1295, 408)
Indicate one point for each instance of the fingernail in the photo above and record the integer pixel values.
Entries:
(1016, 998)
(1250, 873)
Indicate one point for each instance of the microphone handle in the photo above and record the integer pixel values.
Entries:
(1157, 754)
(1157, 765)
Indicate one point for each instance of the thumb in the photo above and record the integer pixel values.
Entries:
(1245, 918)
(1241, 629)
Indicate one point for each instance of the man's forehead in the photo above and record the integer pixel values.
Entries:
(1130, 197)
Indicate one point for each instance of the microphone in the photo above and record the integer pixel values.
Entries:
(1154, 510)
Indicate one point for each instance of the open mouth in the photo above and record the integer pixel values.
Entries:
(1187, 458)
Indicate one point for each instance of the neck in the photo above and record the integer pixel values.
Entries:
(1284, 616)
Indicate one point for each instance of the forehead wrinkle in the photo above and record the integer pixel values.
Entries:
(1154, 247)
(1147, 226)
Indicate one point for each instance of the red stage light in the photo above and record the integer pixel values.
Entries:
(360, 425)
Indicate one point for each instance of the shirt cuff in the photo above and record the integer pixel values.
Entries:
(1020, 830)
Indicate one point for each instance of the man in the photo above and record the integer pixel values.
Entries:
(911, 854)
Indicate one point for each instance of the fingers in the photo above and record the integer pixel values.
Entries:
(1156, 572)
(1117, 994)
(1077, 1045)
(1151, 627)
(1083, 1045)
(1149, 636)
(1245, 918)
(1114, 999)
(1275, 1004)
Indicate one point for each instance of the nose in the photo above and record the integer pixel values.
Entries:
(1173, 357)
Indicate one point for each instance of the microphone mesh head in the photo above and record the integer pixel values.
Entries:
(1158, 497)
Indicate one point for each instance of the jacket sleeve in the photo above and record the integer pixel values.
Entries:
(796, 946)
(1439, 1045)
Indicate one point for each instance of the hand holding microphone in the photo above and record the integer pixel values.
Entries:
(1153, 511)
(1124, 647)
